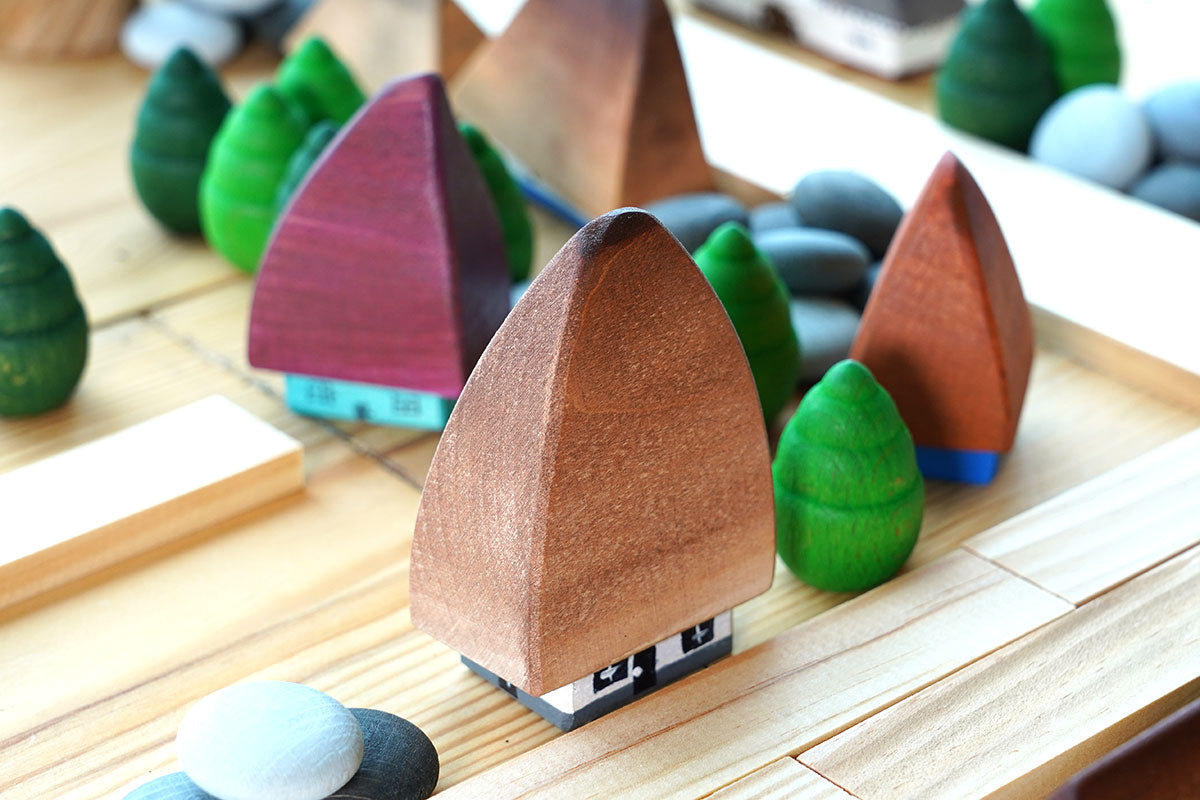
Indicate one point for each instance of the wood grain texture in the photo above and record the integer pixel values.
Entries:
(946, 330)
(64, 29)
(139, 489)
(786, 779)
(388, 265)
(604, 481)
(786, 694)
(1089, 539)
(1019, 722)
(604, 80)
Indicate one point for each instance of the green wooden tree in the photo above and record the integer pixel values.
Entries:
(1083, 41)
(510, 203)
(318, 138)
(183, 110)
(998, 77)
(848, 496)
(316, 80)
(246, 164)
(757, 303)
(43, 329)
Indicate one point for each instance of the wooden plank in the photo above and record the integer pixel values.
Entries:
(1093, 537)
(1022, 720)
(786, 779)
(786, 694)
(139, 489)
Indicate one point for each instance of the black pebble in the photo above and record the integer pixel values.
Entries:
(399, 761)
(176, 786)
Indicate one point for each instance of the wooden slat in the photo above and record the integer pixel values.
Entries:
(1093, 537)
(786, 694)
(786, 779)
(1021, 721)
(139, 489)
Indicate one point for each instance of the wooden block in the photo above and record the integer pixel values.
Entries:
(1019, 722)
(381, 40)
(388, 266)
(604, 80)
(1091, 538)
(947, 331)
(786, 779)
(604, 482)
(786, 694)
(65, 29)
(136, 490)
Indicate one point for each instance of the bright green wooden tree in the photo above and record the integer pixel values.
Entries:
(1083, 41)
(316, 80)
(318, 138)
(848, 496)
(510, 203)
(43, 329)
(998, 77)
(757, 303)
(183, 110)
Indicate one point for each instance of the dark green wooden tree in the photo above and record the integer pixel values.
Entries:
(183, 110)
(998, 77)
(510, 203)
(1083, 41)
(316, 80)
(43, 329)
(848, 496)
(247, 162)
(318, 138)
(757, 303)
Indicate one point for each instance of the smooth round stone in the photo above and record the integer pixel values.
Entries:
(176, 786)
(826, 330)
(1174, 115)
(862, 293)
(692, 217)
(517, 291)
(844, 201)
(1095, 133)
(274, 24)
(773, 216)
(814, 261)
(269, 741)
(237, 8)
(1175, 187)
(152, 33)
(399, 761)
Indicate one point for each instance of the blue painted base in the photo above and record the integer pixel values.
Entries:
(962, 466)
(381, 405)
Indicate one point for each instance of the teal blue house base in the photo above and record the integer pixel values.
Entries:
(380, 405)
(961, 466)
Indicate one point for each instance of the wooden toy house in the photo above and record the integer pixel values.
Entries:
(386, 276)
(947, 331)
(591, 98)
(602, 495)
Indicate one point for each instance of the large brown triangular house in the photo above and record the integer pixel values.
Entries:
(947, 331)
(591, 97)
(386, 276)
(602, 494)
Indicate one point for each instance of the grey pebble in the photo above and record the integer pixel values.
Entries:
(1097, 133)
(274, 24)
(692, 217)
(176, 786)
(517, 291)
(234, 8)
(1175, 187)
(839, 200)
(862, 293)
(399, 761)
(813, 261)
(773, 216)
(152, 33)
(1174, 114)
(826, 330)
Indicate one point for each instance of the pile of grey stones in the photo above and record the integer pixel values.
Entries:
(1150, 149)
(826, 241)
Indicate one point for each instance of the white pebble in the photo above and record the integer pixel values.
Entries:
(1096, 133)
(154, 32)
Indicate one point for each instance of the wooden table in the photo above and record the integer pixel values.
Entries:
(1017, 677)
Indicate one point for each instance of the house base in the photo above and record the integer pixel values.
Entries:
(961, 466)
(381, 405)
(633, 677)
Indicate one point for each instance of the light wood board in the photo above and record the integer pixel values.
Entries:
(786, 779)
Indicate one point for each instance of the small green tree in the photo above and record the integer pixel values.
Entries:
(318, 138)
(316, 80)
(1083, 41)
(510, 203)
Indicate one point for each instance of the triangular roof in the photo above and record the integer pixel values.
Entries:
(591, 96)
(604, 480)
(947, 331)
(388, 266)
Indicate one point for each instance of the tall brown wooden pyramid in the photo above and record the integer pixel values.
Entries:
(604, 481)
(591, 96)
(947, 331)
